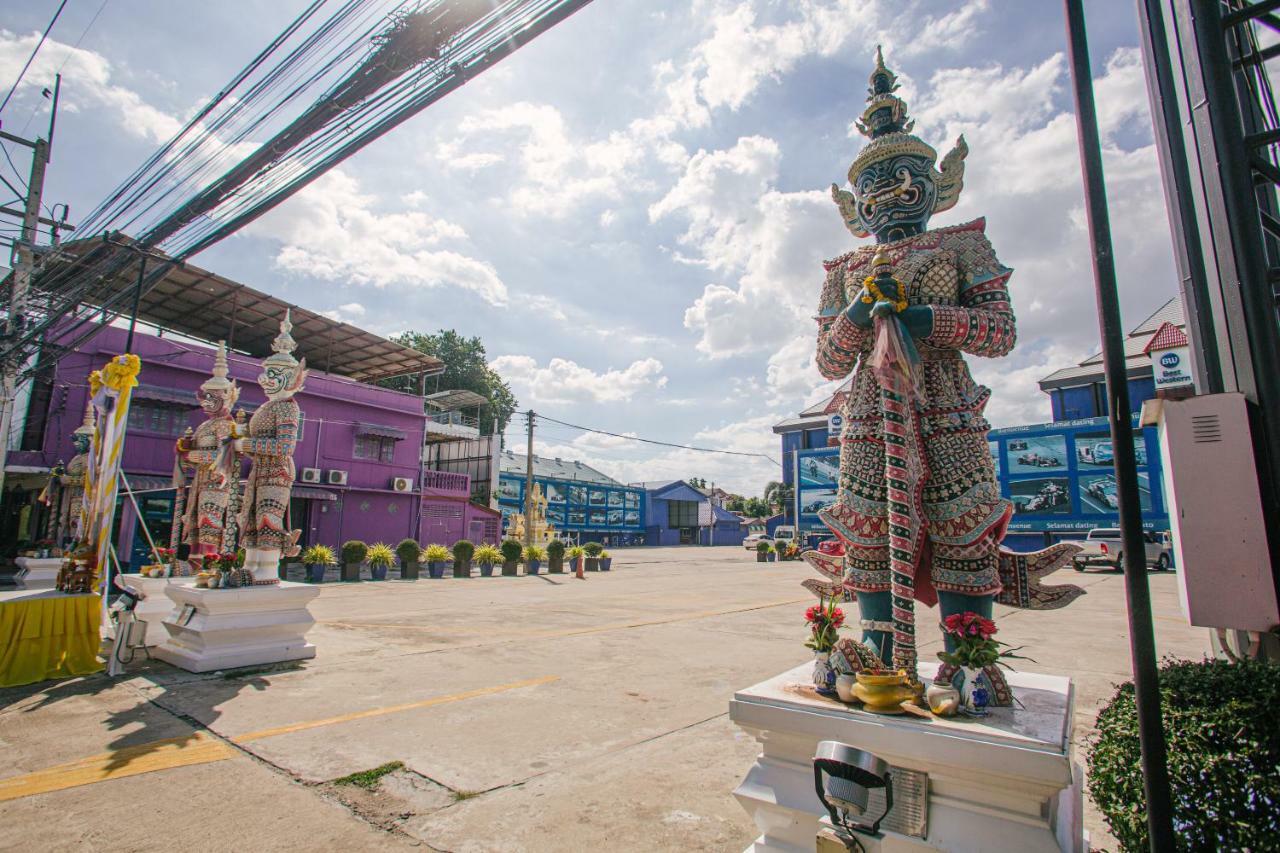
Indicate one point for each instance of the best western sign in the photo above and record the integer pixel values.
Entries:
(1172, 368)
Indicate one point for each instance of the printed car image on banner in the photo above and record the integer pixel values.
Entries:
(509, 488)
(1035, 455)
(554, 492)
(817, 471)
(1094, 450)
(1042, 496)
(994, 448)
(615, 499)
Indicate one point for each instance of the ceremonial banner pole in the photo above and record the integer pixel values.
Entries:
(111, 389)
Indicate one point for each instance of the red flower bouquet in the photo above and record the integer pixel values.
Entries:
(973, 637)
(824, 620)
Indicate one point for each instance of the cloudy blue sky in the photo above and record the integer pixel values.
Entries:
(632, 211)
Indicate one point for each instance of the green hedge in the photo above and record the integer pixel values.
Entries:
(1222, 726)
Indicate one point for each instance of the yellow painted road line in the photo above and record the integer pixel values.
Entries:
(507, 636)
(201, 748)
(197, 748)
(393, 709)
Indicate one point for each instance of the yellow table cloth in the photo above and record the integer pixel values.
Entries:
(48, 634)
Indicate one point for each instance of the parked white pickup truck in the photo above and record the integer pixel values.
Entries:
(1105, 548)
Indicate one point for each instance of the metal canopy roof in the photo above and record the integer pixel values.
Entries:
(452, 401)
(204, 305)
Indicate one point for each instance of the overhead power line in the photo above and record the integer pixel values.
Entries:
(662, 443)
(32, 57)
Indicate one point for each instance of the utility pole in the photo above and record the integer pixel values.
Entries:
(528, 481)
(1142, 643)
(22, 261)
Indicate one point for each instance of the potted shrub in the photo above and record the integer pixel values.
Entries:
(593, 551)
(353, 554)
(486, 556)
(771, 554)
(533, 557)
(555, 557)
(381, 558)
(605, 561)
(318, 558)
(511, 551)
(762, 552)
(408, 551)
(463, 550)
(436, 556)
(575, 558)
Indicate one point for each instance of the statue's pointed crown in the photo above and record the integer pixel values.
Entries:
(283, 346)
(885, 112)
(219, 380)
(86, 427)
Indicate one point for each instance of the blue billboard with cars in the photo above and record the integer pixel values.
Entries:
(1060, 478)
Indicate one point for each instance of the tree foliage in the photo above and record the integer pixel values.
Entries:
(466, 368)
(778, 495)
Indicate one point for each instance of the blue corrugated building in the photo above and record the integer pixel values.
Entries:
(680, 514)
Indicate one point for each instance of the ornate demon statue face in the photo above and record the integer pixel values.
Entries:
(895, 197)
(276, 380)
(214, 402)
(81, 441)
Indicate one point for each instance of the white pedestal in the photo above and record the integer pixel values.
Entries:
(39, 570)
(1004, 782)
(214, 629)
(155, 605)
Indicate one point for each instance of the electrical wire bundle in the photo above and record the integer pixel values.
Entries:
(342, 74)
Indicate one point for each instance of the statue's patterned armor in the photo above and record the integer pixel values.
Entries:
(211, 490)
(71, 503)
(955, 271)
(273, 434)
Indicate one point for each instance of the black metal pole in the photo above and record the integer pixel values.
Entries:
(1142, 644)
(137, 299)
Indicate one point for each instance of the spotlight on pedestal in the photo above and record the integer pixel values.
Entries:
(844, 778)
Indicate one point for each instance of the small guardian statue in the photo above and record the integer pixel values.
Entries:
(272, 437)
(918, 511)
(71, 478)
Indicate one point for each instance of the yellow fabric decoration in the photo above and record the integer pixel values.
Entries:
(54, 637)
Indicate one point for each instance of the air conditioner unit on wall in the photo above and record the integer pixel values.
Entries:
(402, 484)
(337, 478)
(309, 475)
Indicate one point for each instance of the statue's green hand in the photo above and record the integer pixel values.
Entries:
(919, 320)
(859, 313)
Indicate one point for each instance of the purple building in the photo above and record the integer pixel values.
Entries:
(360, 458)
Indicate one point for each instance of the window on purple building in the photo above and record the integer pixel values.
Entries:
(376, 447)
(157, 420)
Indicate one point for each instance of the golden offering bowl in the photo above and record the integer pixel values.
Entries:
(882, 691)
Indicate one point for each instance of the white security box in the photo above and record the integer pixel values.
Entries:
(1215, 509)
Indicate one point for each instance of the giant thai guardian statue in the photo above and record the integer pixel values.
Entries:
(271, 439)
(209, 450)
(918, 510)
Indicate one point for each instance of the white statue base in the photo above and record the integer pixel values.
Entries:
(39, 570)
(155, 606)
(1002, 782)
(213, 629)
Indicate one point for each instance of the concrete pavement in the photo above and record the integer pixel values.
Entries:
(530, 713)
